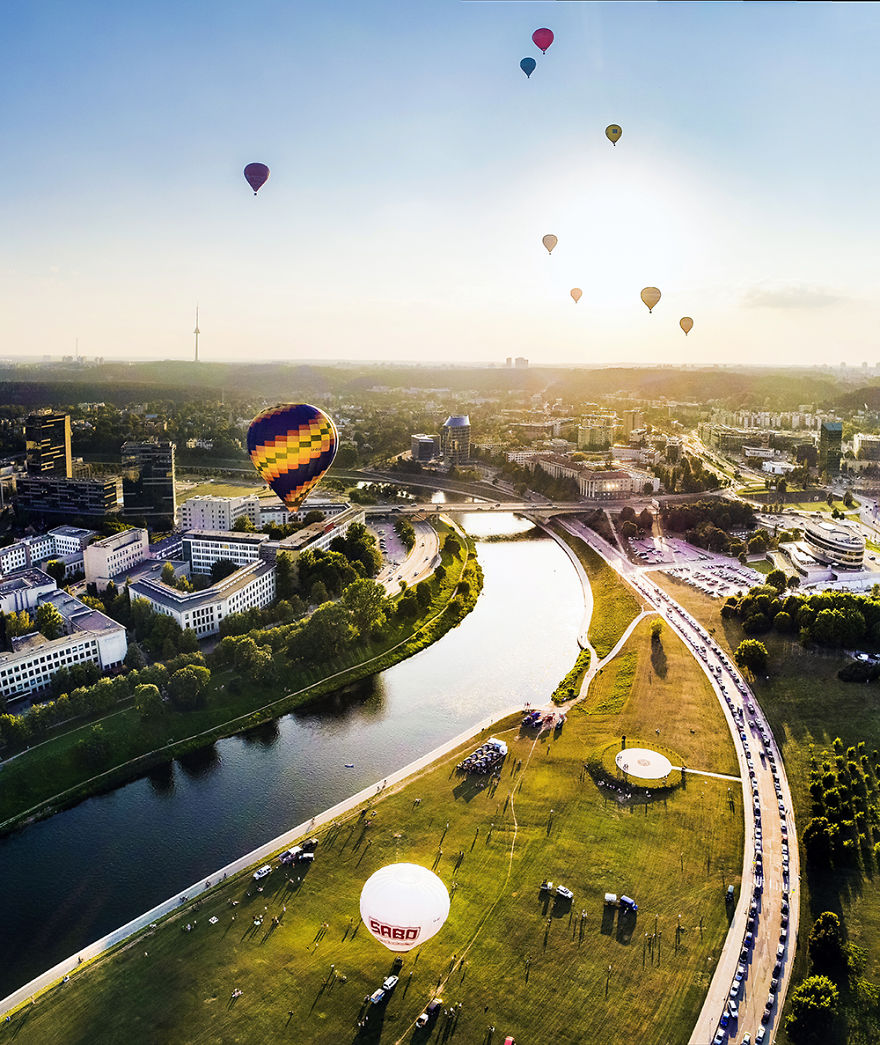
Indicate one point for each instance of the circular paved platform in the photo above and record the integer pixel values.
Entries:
(643, 763)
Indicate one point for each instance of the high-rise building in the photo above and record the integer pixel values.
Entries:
(47, 440)
(455, 439)
(424, 447)
(866, 446)
(148, 479)
(632, 420)
(830, 439)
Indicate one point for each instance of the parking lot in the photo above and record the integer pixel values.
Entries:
(709, 572)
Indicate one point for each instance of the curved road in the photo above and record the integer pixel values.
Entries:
(772, 863)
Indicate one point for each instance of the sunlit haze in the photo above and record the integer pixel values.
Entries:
(415, 169)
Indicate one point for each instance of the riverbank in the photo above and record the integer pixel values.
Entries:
(303, 965)
(48, 779)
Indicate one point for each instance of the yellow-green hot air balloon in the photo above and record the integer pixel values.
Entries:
(686, 324)
(613, 132)
(577, 294)
(650, 296)
(549, 242)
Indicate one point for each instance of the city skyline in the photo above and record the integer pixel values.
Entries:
(415, 170)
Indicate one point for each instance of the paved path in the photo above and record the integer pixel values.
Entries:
(704, 772)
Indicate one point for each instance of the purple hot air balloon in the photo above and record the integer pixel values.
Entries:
(256, 175)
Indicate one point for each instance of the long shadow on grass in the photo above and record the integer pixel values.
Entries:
(469, 788)
(626, 926)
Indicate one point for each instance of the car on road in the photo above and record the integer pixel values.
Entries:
(747, 1040)
(760, 1036)
(733, 1009)
(719, 1038)
(725, 1018)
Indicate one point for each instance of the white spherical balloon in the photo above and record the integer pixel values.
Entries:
(403, 905)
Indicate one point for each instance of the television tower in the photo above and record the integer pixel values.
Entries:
(196, 332)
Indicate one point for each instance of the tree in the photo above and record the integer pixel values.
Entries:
(358, 545)
(325, 634)
(167, 575)
(18, 624)
(49, 621)
(56, 570)
(284, 575)
(186, 687)
(94, 748)
(778, 579)
(365, 601)
(656, 631)
(148, 701)
(814, 1004)
(751, 654)
(423, 594)
(827, 952)
(318, 593)
(243, 525)
(757, 543)
(818, 842)
(646, 520)
(627, 514)
(629, 530)
(222, 568)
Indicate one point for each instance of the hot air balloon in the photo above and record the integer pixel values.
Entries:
(686, 324)
(256, 175)
(403, 905)
(528, 65)
(650, 296)
(542, 38)
(549, 242)
(292, 446)
(613, 132)
(577, 294)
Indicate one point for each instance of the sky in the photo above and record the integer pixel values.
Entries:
(415, 170)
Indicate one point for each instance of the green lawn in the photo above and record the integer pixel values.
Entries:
(615, 604)
(808, 705)
(762, 566)
(53, 768)
(514, 959)
(222, 489)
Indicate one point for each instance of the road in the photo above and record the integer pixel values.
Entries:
(419, 562)
(776, 824)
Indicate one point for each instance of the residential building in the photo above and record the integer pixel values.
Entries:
(251, 586)
(632, 420)
(47, 443)
(830, 440)
(218, 513)
(455, 439)
(595, 436)
(424, 447)
(89, 635)
(55, 495)
(148, 479)
(114, 555)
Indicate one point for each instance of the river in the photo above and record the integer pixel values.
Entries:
(82, 873)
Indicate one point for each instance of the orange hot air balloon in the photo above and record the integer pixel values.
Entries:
(686, 324)
(549, 242)
(292, 446)
(650, 296)
(577, 294)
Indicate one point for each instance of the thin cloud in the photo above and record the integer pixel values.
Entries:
(790, 295)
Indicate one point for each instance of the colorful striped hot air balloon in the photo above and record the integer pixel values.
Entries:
(292, 446)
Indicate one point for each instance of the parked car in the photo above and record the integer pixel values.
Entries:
(262, 872)
(430, 1013)
(389, 983)
(563, 892)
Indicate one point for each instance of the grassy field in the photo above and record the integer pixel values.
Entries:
(615, 604)
(215, 488)
(808, 705)
(762, 566)
(49, 770)
(531, 967)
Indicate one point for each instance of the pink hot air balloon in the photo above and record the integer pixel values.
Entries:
(256, 175)
(542, 38)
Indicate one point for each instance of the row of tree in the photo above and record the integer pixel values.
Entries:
(829, 618)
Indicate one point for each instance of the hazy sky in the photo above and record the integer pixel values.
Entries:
(415, 170)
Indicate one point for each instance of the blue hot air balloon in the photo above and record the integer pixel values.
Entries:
(292, 446)
(528, 65)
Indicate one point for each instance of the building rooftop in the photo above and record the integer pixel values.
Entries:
(226, 536)
(28, 578)
(121, 539)
(77, 615)
(71, 531)
(457, 421)
(190, 600)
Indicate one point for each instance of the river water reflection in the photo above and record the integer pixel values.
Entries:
(70, 879)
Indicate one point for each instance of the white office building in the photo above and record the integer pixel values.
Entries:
(89, 635)
(112, 556)
(218, 513)
(251, 586)
(202, 548)
(63, 542)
